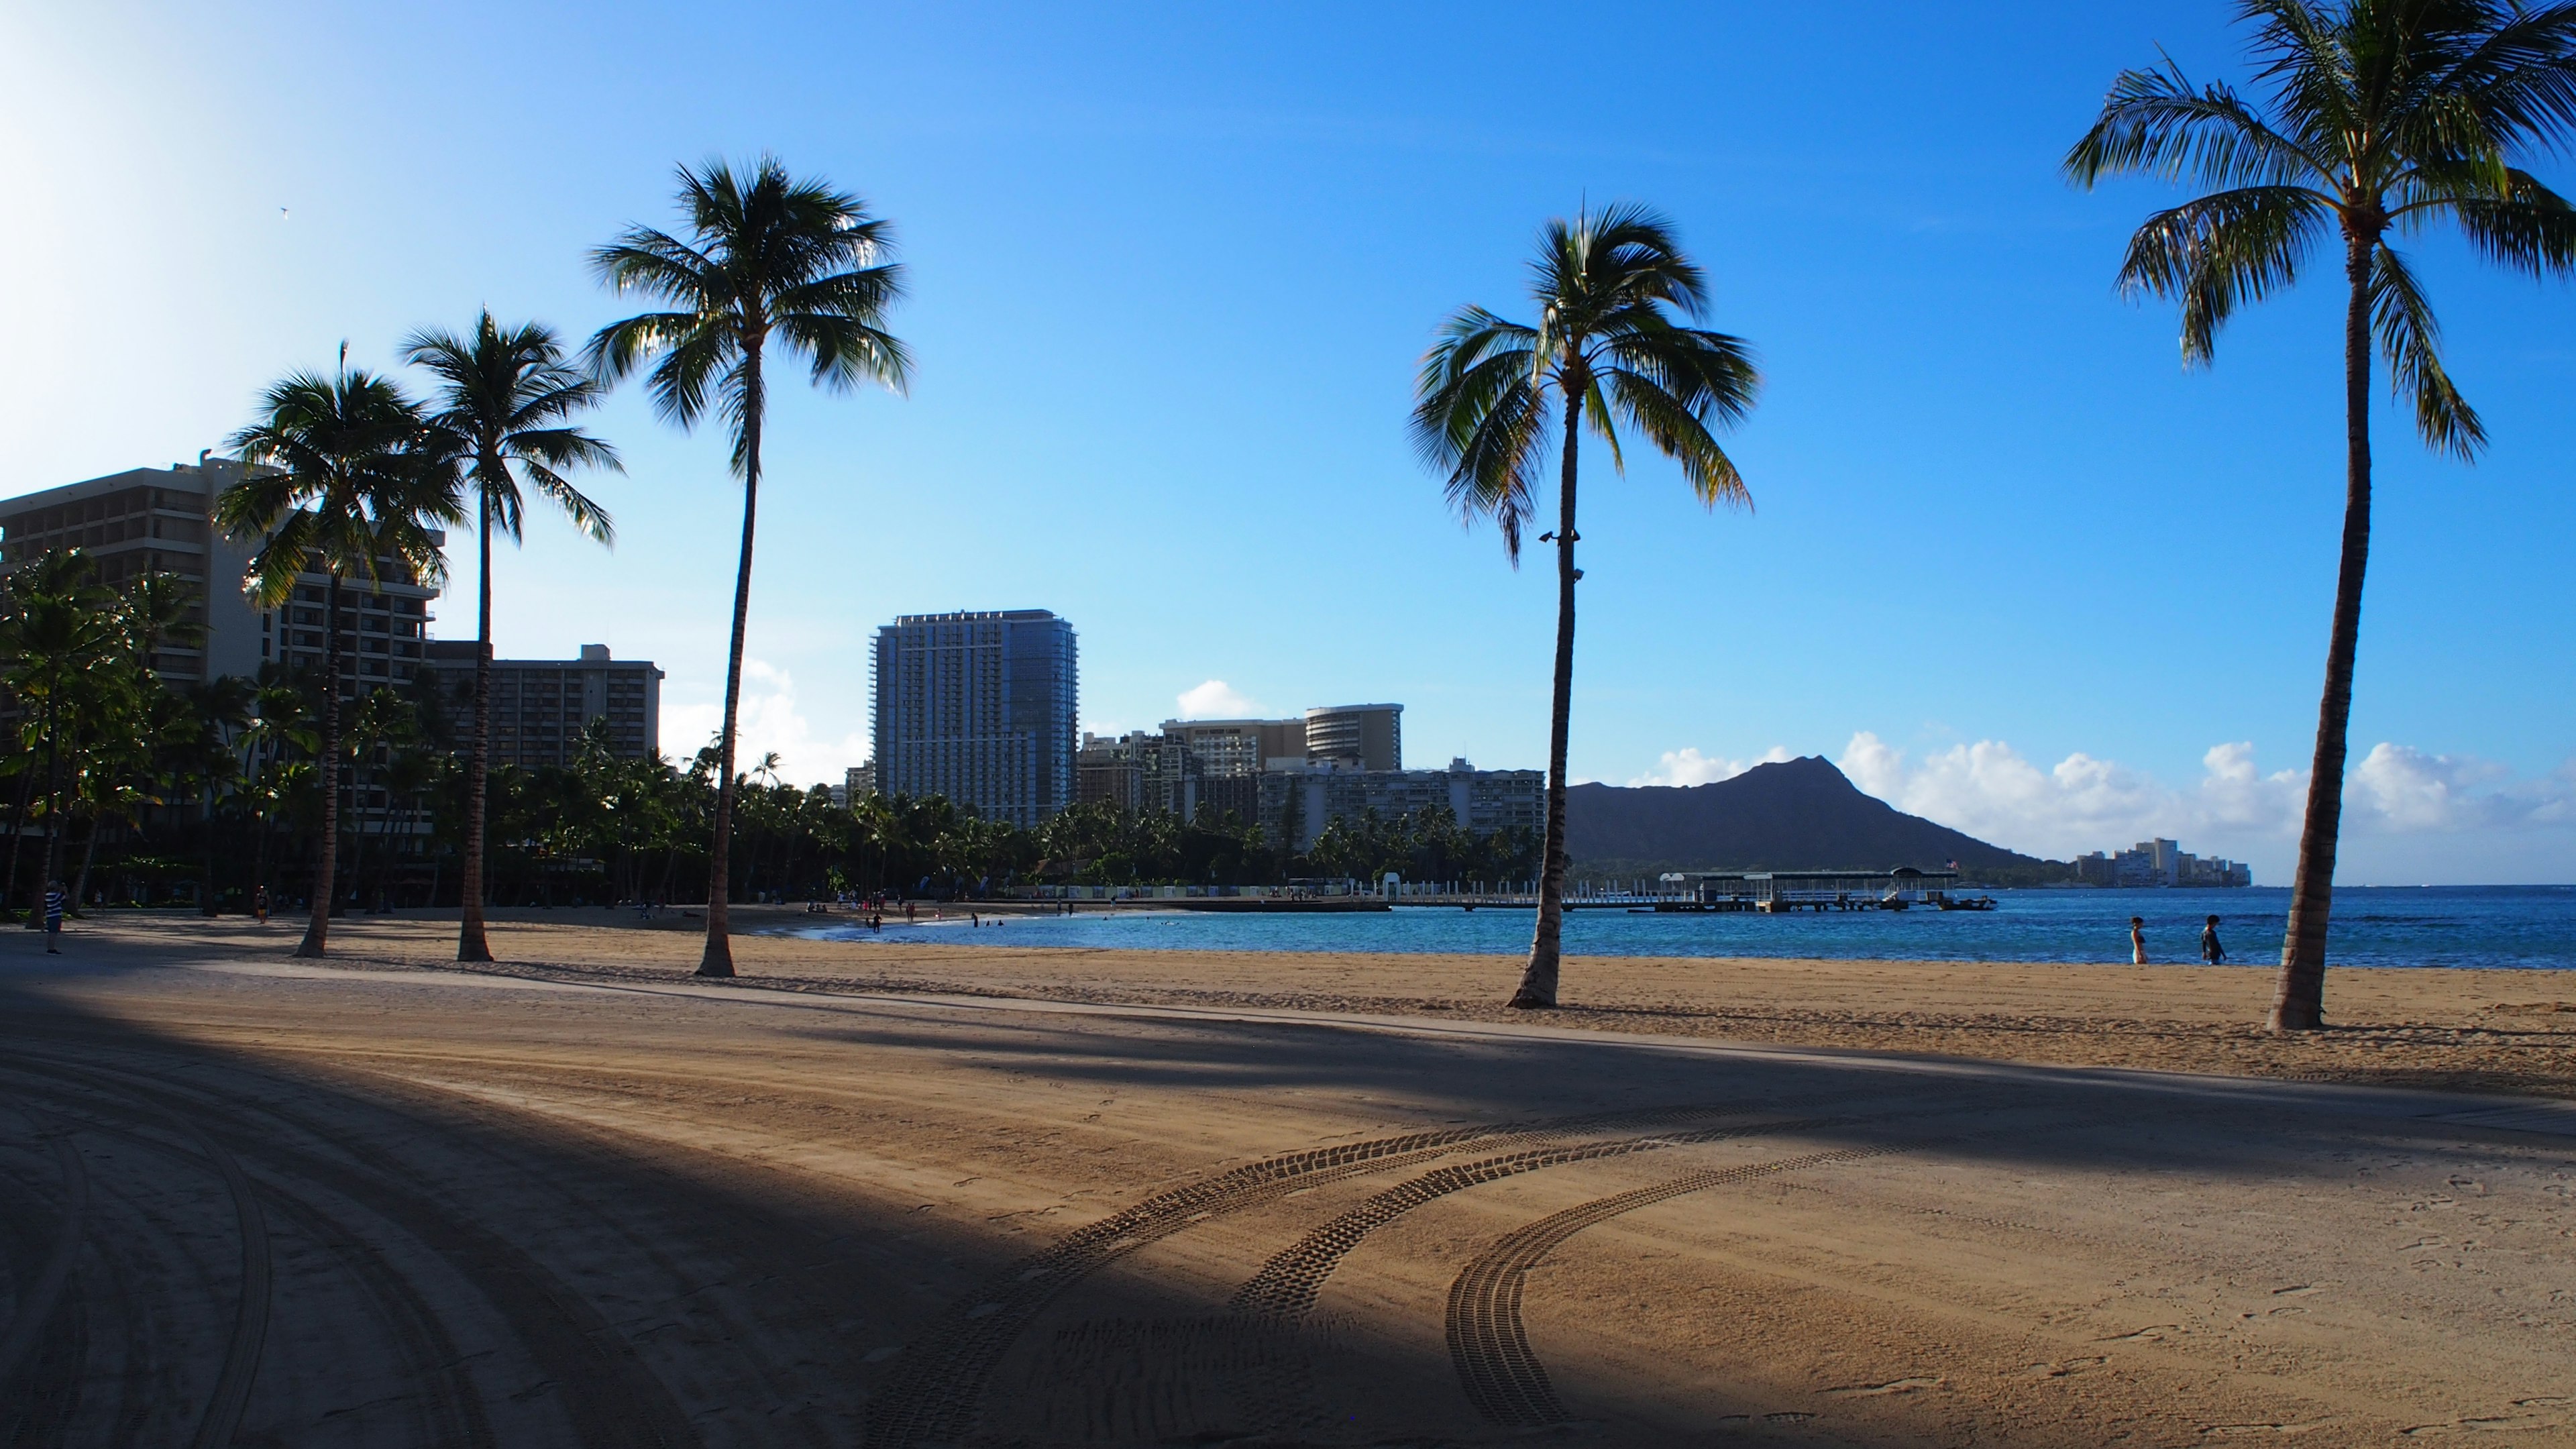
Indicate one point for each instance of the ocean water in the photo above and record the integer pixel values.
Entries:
(2475, 926)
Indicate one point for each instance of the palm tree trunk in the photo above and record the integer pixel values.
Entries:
(53, 799)
(718, 957)
(18, 829)
(89, 856)
(470, 942)
(326, 769)
(206, 873)
(2300, 1003)
(1538, 980)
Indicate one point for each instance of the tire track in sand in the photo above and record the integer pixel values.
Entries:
(1289, 1283)
(937, 1387)
(1488, 1345)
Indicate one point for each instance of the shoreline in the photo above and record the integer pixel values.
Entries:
(2482, 1029)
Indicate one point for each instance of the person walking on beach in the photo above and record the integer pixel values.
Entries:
(2137, 940)
(2211, 953)
(54, 902)
(259, 905)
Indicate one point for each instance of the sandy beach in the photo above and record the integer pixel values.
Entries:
(2494, 1031)
(974, 1194)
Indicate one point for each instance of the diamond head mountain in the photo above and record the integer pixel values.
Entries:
(1801, 814)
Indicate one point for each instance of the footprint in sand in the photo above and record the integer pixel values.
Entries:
(1892, 1386)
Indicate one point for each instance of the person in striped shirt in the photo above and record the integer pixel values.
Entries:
(54, 902)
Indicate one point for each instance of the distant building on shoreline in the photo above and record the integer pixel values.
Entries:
(858, 783)
(1358, 736)
(1298, 805)
(540, 707)
(1295, 777)
(1139, 771)
(980, 708)
(2159, 863)
(161, 520)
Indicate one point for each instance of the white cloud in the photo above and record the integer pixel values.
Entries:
(1687, 766)
(2082, 803)
(1216, 699)
(768, 720)
(2414, 792)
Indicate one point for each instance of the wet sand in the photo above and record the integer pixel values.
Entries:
(970, 1194)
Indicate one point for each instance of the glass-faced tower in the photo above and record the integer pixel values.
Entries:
(978, 707)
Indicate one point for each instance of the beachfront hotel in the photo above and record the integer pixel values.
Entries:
(541, 707)
(148, 520)
(978, 707)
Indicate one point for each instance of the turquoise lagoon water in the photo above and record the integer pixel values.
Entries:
(2477, 926)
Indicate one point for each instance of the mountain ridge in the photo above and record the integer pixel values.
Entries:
(1801, 814)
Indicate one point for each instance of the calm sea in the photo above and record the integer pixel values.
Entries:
(2484, 926)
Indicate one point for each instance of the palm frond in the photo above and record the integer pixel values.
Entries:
(2155, 122)
(2530, 229)
(2220, 252)
(2409, 338)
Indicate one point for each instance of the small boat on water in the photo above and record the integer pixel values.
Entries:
(1963, 903)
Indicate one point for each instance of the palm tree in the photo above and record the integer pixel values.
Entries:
(62, 635)
(2384, 116)
(770, 259)
(502, 402)
(350, 490)
(222, 706)
(1608, 347)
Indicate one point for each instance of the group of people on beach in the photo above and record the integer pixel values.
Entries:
(2211, 952)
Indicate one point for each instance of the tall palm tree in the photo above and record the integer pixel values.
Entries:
(766, 259)
(1613, 293)
(61, 635)
(349, 489)
(503, 398)
(222, 706)
(2383, 116)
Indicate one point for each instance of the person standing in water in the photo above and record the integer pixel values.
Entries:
(2137, 940)
(2211, 953)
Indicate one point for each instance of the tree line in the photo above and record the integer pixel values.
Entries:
(135, 790)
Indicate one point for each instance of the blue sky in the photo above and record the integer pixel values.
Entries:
(1172, 270)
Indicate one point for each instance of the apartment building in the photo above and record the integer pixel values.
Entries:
(978, 707)
(1357, 736)
(540, 707)
(1139, 770)
(162, 520)
(2160, 863)
(1297, 805)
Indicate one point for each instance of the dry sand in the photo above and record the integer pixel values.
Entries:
(871, 1195)
(2490, 1031)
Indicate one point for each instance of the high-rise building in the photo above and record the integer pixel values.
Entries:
(1228, 748)
(162, 520)
(1139, 770)
(978, 707)
(2160, 863)
(1297, 805)
(1357, 736)
(858, 783)
(540, 707)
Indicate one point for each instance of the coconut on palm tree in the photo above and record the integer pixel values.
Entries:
(1611, 346)
(342, 483)
(2383, 118)
(502, 404)
(763, 261)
